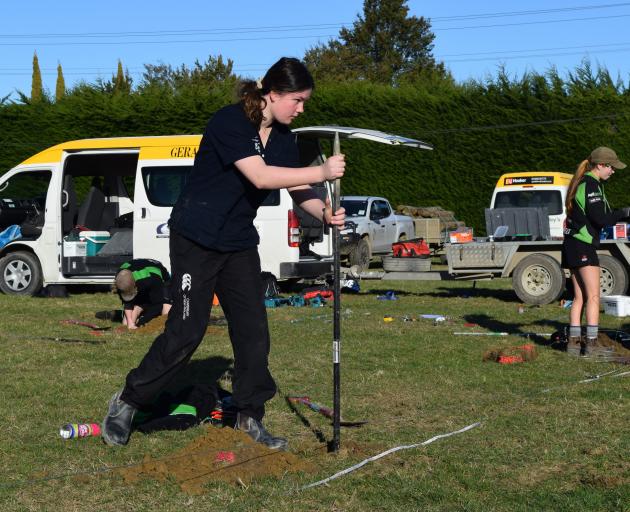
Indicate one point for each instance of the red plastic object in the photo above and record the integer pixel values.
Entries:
(509, 359)
(324, 294)
(411, 248)
(225, 457)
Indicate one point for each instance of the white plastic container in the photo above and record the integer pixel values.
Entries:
(616, 305)
(74, 248)
(95, 241)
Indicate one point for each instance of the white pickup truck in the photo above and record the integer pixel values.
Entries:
(377, 224)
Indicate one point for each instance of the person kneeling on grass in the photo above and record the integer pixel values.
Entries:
(143, 287)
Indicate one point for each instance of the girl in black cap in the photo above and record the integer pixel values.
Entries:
(588, 212)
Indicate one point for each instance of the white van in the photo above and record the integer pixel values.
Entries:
(122, 190)
(535, 189)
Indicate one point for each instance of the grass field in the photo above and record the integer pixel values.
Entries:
(546, 441)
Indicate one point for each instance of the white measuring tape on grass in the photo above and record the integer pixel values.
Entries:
(391, 450)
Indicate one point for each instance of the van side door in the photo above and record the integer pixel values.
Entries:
(158, 186)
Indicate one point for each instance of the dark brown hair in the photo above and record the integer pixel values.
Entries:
(286, 75)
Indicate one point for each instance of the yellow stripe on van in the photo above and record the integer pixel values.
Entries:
(514, 179)
(170, 146)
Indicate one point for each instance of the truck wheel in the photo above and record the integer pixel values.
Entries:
(20, 274)
(538, 279)
(402, 237)
(613, 278)
(361, 255)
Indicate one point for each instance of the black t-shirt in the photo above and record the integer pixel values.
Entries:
(218, 204)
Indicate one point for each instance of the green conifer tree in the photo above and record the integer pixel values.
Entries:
(122, 81)
(37, 88)
(60, 88)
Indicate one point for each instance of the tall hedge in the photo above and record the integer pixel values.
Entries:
(479, 131)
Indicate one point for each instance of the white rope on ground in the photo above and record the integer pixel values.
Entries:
(601, 375)
(391, 450)
(592, 378)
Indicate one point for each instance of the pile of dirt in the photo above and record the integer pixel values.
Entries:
(611, 345)
(511, 355)
(222, 455)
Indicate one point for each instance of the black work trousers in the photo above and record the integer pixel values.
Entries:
(198, 273)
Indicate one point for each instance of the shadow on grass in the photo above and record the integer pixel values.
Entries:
(316, 431)
(469, 292)
(61, 291)
(204, 371)
(494, 325)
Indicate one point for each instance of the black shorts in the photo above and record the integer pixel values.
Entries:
(576, 253)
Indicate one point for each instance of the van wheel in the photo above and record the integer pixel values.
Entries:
(538, 279)
(20, 274)
(361, 255)
(613, 278)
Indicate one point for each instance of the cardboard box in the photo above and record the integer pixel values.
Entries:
(74, 248)
(461, 236)
(429, 229)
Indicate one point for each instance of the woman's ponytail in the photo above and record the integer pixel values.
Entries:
(583, 168)
(251, 96)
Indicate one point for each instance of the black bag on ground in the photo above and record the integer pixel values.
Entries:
(270, 285)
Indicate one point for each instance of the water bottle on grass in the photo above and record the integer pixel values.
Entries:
(74, 430)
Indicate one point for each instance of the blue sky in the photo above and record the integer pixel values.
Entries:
(472, 38)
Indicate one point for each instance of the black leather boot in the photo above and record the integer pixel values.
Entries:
(116, 427)
(258, 433)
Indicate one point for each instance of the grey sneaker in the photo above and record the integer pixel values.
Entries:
(116, 427)
(254, 429)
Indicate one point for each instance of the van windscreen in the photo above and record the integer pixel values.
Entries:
(551, 199)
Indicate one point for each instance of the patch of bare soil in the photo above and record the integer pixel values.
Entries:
(222, 455)
(614, 348)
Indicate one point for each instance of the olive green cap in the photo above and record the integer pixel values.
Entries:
(604, 155)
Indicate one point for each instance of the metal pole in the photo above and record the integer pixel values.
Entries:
(336, 312)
